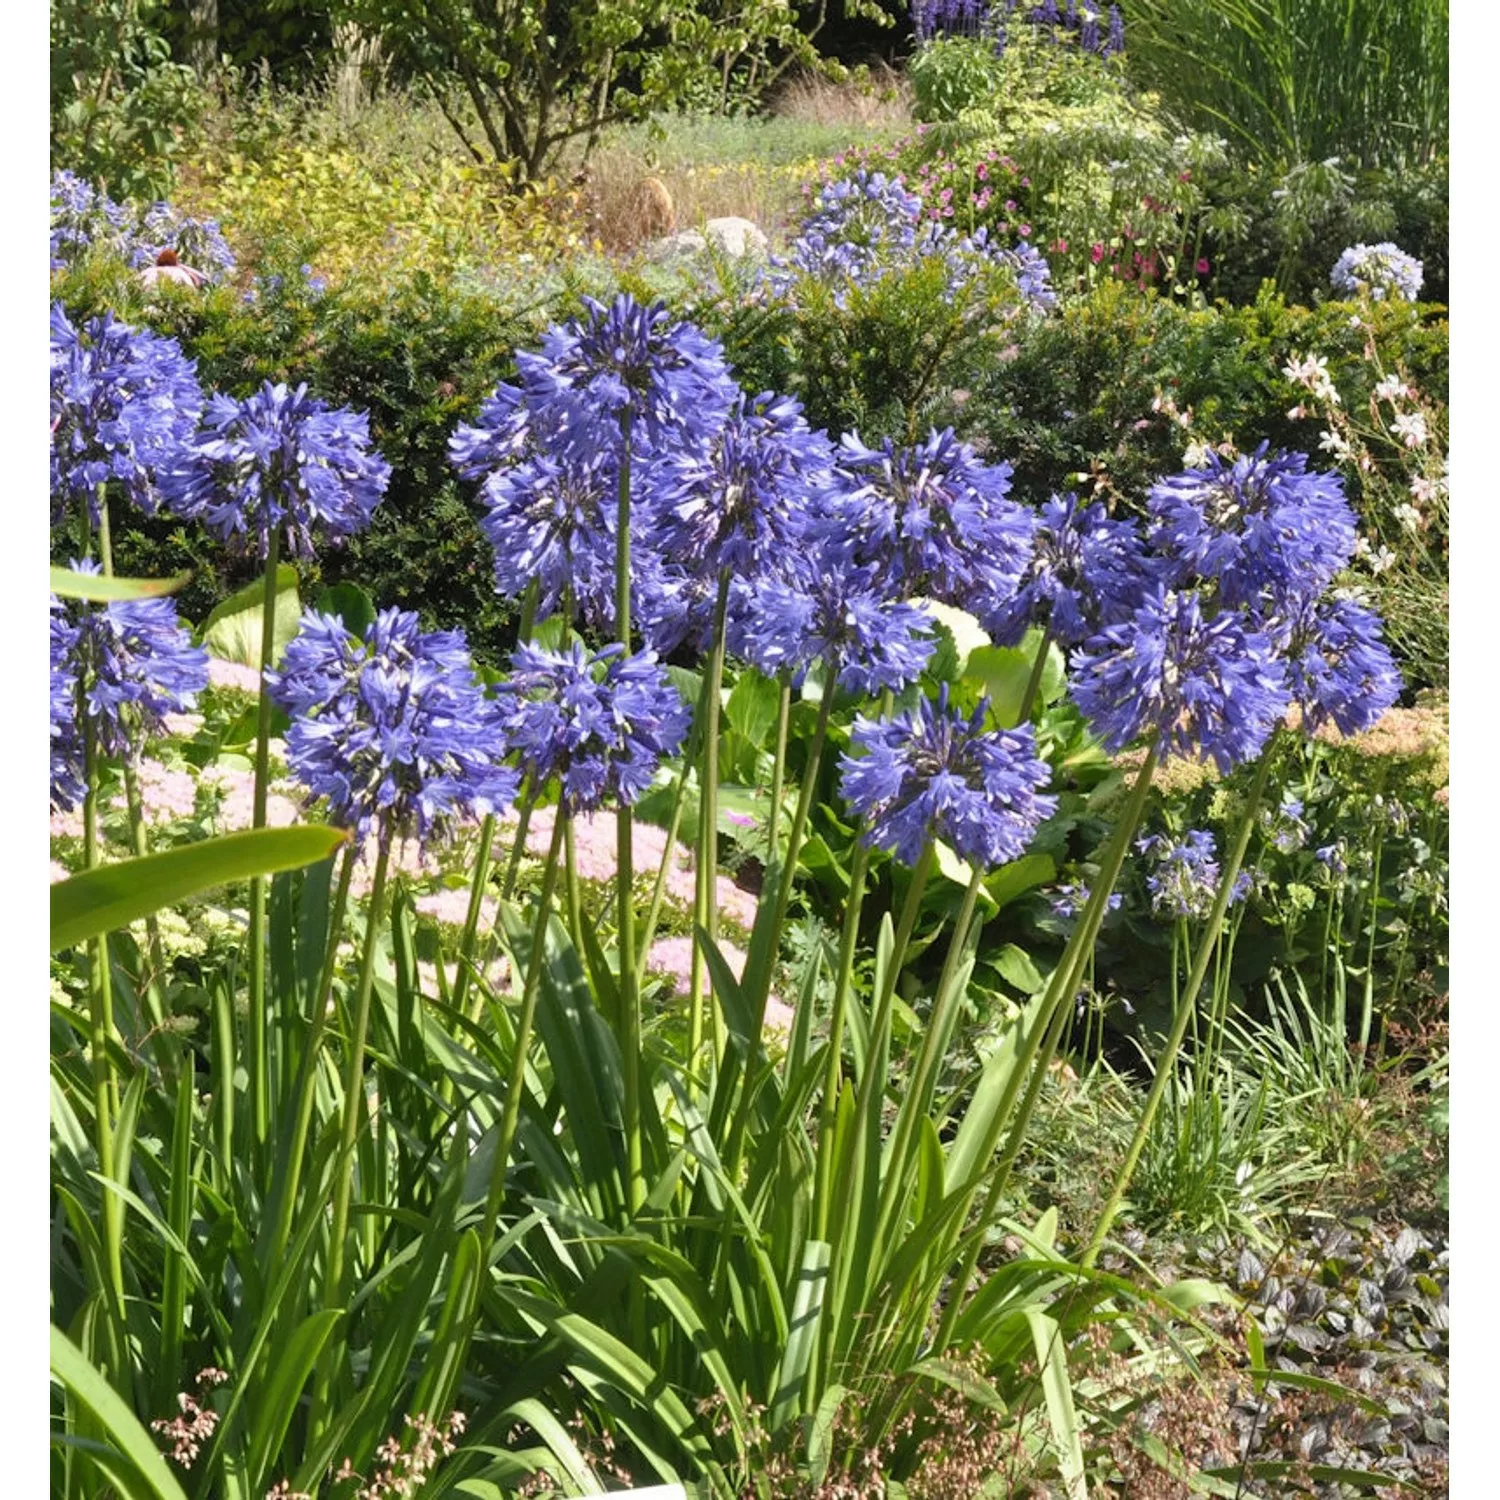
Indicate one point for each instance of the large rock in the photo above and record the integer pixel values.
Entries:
(732, 236)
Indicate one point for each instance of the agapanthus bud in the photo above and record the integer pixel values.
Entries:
(124, 401)
(279, 459)
(392, 729)
(600, 725)
(935, 774)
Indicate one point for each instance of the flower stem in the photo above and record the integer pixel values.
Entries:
(479, 880)
(260, 1082)
(285, 1197)
(516, 1081)
(1036, 1052)
(1186, 1007)
(1034, 681)
(778, 765)
(354, 1080)
(705, 885)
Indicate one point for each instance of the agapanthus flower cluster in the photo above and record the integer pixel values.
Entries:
(1377, 271)
(834, 612)
(934, 773)
(599, 724)
(932, 518)
(68, 788)
(123, 403)
(738, 500)
(82, 217)
(1069, 901)
(1085, 572)
(279, 459)
(932, 19)
(1263, 526)
(391, 729)
(1285, 825)
(137, 665)
(1199, 684)
(1185, 877)
(198, 243)
(627, 360)
(866, 226)
(1339, 670)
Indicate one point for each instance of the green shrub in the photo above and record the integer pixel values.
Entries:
(953, 75)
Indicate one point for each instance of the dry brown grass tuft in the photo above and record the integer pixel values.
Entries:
(867, 99)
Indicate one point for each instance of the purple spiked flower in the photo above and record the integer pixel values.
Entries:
(279, 458)
(1206, 687)
(392, 730)
(933, 774)
(1340, 670)
(124, 401)
(1262, 526)
(627, 359)
(1085, 572)
(137, 665)
(836, 613)
(601, 733)
(1186, 877)
(739, 500)
(933, 519)
(68, 788)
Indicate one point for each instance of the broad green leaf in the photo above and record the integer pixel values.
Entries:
(1057, 1388)
(752, 706)
(791, 1386)
(1002, 673)
(350, 603)
(232, 630)
(1019, 876)
(113, 896)
(67, 584)
(144, 1472)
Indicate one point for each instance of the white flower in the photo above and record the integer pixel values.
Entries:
(1409, 516)
(1312, 372)
(1425, 491)
(1392, 388)
(1383, 561)
(1195, 455)
(1411, 428)
(1361, 546)
(1335, 443)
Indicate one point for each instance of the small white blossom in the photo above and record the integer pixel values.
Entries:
(1392, 388)
(1411, 428)
(1383, 561)
(1335, 443)
(1195, 455)
(1424, 491)
(1409, 516)
(1312, 372)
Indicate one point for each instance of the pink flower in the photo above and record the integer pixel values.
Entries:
(1096, 253)
(1060, 247)
(1202, 266)
(232, 674)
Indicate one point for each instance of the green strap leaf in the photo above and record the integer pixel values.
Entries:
(113, 896)
(67, 584)
(148, 1474)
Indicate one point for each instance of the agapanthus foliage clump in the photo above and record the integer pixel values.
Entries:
(1380, 272)
(932, 518)
(1263, 526)
(392, 729)
(1085, 572)
(136, 664)
(935, 773)
(835, 613)
(279, 460)
(1195, 683)
(599, 724)
(1185, 874)
(123, 402)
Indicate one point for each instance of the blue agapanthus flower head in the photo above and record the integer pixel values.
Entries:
(933, 773)
(392, 729)
(1199, 685)
(1085, 572)
(137, 665)
(124, 401)
(1185, 876)
(83, 217)
(933, 519)
(1264, 526)
(1378, 271)
(199, 243)
(627, 360)
(968, 255)
(835, 613)
(68, 788)
(279, 459)
(600, 724)
(859, 228)
(1339, 670)
(740, 499)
